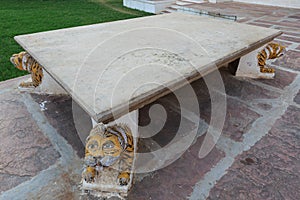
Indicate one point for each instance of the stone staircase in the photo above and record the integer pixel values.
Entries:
(198, 7)
(181, 5)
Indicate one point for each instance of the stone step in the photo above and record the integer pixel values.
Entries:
(170, 9)
(175, 6)
(183, 3)
(178, 5)
(194, 1)
(164, 12)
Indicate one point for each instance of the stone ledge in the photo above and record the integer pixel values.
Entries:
(151, 6)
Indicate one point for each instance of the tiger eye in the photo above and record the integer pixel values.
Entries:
(108, 145)
(93, 145)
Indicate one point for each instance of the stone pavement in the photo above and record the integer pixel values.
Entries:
(256, 157)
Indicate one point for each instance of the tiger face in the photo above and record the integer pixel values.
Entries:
(275, 50)
(24, 61)
(105, 148)
(17, 60)
(281, 52)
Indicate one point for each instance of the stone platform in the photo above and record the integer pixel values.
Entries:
(256, 157)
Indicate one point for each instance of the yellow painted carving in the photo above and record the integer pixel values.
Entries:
(26, 62)
(107, 146)
(271, 51)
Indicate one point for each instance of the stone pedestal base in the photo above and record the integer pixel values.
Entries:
(248, 67)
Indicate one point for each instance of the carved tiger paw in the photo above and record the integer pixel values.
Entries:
(267, 70)
(88, 174)
(123, 178)
(26, 85)
(23, 84)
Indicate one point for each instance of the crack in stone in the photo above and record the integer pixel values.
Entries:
(5, 165)
(15, 175)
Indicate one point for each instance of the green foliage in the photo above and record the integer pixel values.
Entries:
(19, 17)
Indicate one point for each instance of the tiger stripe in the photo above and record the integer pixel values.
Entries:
(26, 62)
(120, 135)
(271, 51)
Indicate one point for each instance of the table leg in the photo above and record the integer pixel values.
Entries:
(108, 180)
(50, 86)
(248, 66)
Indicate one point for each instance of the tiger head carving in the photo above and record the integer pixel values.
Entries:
(105, 146)
(24, 61)
(18, 61)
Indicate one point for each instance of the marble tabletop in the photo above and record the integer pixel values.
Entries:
(112, 68)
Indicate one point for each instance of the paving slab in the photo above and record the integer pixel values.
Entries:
(282, 79)
(297, 98)
(243, 11)
(290, 61)
(236, 123)
(64, 187)
(177, 180)
(58, 110)
(245, 88)
(269, 170)
(24, 149)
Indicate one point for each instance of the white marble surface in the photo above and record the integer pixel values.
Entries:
(113, 66)
(150, 6)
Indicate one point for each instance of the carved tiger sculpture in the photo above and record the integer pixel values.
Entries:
(271, 51)
(26, 62)
(109, 146)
